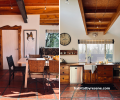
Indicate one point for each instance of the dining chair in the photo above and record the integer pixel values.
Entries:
(15, 68)
(36, 67)
(53, 68)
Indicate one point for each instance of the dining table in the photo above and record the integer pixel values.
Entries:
(25, 61)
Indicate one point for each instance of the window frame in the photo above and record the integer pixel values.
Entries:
(86, 58)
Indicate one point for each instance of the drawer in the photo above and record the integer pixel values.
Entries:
(105, 79)
(104, 67)
(64, 79)
(116, 80)
(64, 67)
(105, 73)
(64, 72)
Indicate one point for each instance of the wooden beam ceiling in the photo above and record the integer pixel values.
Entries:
(82, 13)
(50, 15)
(22, 9)
(99, 16)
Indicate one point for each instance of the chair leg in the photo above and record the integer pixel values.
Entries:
(13, 75)
(9, 77)
(23, 77)
(43, 82)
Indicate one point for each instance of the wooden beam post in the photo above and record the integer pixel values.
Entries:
(115, 16)
(82, 13)
(22, 9)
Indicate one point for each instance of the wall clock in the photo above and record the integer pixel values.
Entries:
(65, 39)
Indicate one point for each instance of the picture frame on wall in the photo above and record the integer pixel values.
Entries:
(30, 42)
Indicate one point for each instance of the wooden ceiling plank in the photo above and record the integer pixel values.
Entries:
(49, 17)
(31, 2)
(96, 30)
(82, 13)
(49, 21)
(100, 11)
(96, 25)
(115, 16)
(30, 10)
(97, 20)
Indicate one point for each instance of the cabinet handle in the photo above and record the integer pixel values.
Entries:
(63, 78)
(63, 72)
(104, 73)
(104, 79)
(104, 68)
(62, 67)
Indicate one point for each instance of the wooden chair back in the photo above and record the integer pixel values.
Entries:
(53, 66)
(34, 56)
(36, 66)
(10, 62)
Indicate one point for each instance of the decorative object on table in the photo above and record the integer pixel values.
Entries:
(30, 42)
(56, 57)
(65, 39)
(41, 52)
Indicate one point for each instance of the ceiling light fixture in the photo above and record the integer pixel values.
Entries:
(67, 2)
(45, 5)
(11, 5)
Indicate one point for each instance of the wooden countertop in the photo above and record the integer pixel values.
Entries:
(82, 64)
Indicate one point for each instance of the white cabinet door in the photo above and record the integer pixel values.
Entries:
(10, 46)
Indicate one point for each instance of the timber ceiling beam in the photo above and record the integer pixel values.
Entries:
(22, 9)
(115, 16)
(83, 15)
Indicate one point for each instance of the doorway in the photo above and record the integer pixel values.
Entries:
(1, 42)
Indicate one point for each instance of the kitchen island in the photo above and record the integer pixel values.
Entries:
(102, 74)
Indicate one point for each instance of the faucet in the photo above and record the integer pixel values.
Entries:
(90, 59)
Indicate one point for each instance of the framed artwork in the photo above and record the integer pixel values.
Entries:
(30, 42)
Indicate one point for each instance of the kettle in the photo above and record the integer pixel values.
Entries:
(62, 60)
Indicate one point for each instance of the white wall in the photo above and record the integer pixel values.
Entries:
(33, 24)
(43, 29)
(71, 23)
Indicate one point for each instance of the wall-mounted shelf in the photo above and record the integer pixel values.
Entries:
(68, 52)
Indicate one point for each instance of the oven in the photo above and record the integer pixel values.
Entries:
(116, 71)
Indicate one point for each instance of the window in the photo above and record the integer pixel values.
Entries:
(96, 49)
(52, 40)
(109, 52)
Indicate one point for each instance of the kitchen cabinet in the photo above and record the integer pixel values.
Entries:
(89, 77)
(116, 80)
(104, 74)
(64, 74)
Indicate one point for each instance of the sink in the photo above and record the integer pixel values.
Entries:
(87, 67)
(90, 66)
